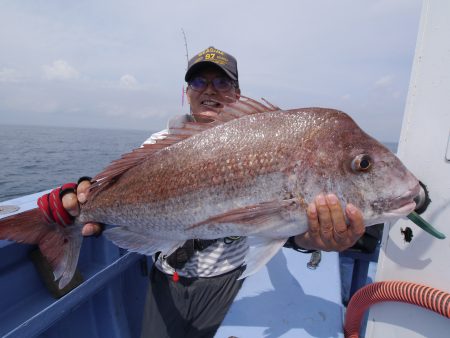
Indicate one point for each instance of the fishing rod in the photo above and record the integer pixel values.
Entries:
(187, 62)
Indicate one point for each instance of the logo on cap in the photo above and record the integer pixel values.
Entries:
(213, 55)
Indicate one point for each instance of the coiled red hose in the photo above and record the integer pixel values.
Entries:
(397, 291)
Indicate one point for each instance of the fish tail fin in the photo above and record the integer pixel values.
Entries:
(59, 245)
(25, 227)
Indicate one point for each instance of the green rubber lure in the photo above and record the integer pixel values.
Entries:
(419, 221)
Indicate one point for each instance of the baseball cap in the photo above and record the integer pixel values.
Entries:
(214, 56)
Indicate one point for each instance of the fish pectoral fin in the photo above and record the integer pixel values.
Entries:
(260, 252)
(258, 214)
(140, 242)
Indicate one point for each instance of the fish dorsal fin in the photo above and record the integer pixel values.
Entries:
(242, 107)
(115, 169)
(179, 131)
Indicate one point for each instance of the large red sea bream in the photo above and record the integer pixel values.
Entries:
(251, 172)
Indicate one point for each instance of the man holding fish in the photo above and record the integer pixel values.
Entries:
(191, 290)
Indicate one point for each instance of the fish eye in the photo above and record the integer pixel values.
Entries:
(362, 163)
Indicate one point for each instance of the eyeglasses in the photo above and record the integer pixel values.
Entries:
(221, 84)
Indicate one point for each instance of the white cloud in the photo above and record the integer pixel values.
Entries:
(384, 81)
(128, 81)
(9, 75)
(60, 70)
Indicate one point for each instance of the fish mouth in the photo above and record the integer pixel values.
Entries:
(404, 210)
(404, 204)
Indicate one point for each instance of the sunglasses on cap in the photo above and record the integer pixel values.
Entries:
(221, 84)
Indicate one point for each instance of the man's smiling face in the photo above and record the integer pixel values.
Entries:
(210, 98)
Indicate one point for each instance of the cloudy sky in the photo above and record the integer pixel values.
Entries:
(121, 64)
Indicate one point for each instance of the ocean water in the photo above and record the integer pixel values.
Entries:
(34, 159)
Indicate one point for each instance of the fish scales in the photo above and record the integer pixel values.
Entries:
(239, 163)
